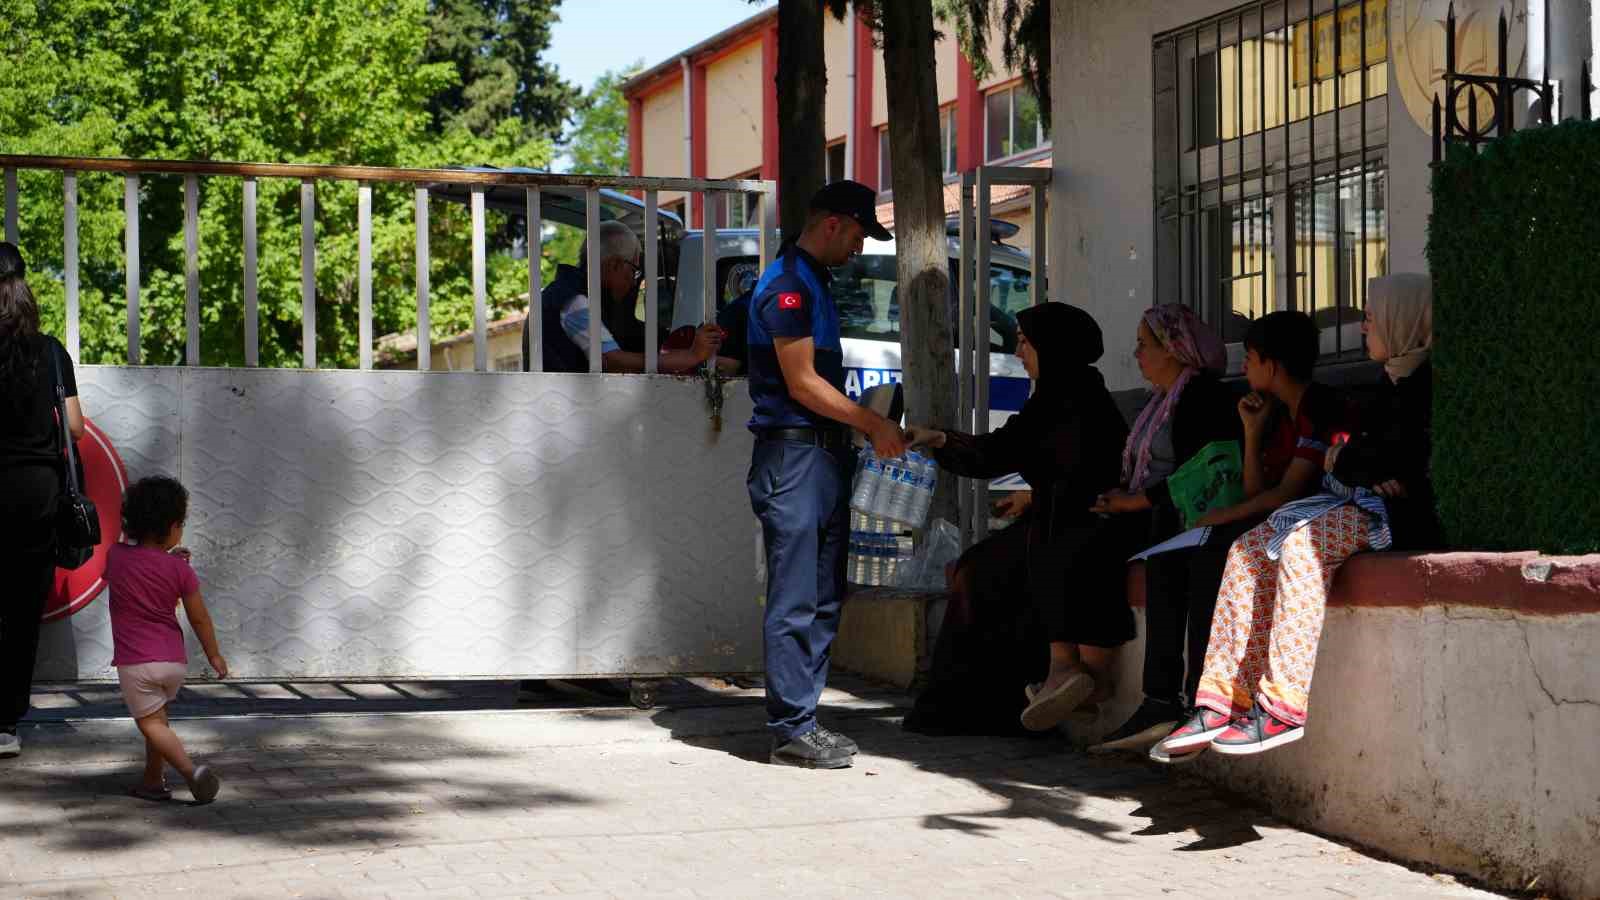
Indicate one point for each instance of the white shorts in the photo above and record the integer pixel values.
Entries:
(146, 687)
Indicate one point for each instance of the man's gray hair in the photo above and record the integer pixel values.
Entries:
(617, 241)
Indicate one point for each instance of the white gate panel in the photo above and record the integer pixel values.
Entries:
(350, 524)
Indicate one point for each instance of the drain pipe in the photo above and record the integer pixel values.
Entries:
(688, 122)
(850, 85)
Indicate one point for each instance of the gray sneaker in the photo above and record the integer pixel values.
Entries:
(10, 744)
(838, 740)
(811, 750)
(204, 785)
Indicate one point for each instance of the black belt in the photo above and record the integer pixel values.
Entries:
(827, 439)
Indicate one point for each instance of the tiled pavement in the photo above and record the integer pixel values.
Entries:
(446, 790)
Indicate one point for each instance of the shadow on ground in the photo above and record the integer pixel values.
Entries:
(1041, 778)
(296, 781)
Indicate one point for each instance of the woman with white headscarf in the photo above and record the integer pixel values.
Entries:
(1255, 691)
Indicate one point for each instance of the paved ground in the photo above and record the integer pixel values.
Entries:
(453, 790)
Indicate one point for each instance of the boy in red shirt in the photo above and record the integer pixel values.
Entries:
(149, 577)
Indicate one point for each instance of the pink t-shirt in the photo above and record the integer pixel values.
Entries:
(146, 587)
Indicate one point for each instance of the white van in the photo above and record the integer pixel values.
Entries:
(866, 292)
(865, 289)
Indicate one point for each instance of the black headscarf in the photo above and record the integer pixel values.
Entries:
(1067, 339)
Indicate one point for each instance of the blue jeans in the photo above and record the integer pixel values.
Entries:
(801, 494)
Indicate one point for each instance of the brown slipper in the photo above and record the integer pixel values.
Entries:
(1050, 708)
(154, 795)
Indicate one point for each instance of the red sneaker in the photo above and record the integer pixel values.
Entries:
(1258, 732)
(1197, 732)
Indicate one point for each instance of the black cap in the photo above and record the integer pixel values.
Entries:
(853, 199)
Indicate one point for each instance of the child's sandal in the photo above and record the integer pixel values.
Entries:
(154, 795)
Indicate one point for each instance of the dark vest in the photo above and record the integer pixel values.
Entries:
(560, 353)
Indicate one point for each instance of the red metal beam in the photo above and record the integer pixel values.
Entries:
(635, 137)
(697, 138)
(969, 116)
(769, 103)
(866, 150)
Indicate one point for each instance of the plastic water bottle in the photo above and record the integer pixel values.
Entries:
(872, 558)
(891, 557)
(880, 491)
(868, 476)
(897, 502)
(855, 573)
(912, 489)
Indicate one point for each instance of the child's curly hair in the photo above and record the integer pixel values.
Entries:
(152, 506)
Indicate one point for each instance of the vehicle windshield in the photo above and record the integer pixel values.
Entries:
(866, 291)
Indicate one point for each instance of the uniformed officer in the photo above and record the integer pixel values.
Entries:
(803, 464)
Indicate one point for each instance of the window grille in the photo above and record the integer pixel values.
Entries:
(1271, 164)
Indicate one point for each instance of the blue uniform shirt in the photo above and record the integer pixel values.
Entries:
(791, 300)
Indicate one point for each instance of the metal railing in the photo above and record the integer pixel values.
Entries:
(973, 301)
(1502, 90)
(478, 181)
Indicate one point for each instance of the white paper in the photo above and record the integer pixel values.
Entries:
(1194, 537)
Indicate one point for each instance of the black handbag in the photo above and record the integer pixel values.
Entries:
(77, 520)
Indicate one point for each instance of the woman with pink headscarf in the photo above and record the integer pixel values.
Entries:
(1189, 408)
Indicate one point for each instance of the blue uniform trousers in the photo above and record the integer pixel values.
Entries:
(801, 494)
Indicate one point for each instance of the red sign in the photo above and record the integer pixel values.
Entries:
(789, 301)
(105, 478)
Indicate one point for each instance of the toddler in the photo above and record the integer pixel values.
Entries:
(149, 575)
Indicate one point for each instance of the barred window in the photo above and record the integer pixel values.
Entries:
(1271, 162)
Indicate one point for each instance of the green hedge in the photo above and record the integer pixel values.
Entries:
(1514, 247)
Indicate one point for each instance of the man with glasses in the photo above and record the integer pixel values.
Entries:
(566, 317)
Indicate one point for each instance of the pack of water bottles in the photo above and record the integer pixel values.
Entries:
(899, 489)
(878, 548)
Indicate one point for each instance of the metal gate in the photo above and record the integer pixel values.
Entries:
(361, 524)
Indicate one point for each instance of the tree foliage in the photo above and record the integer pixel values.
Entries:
(597, 142)
(494, 46)
(1024, 27)
(330, 81)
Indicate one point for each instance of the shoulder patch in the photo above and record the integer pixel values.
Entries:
(789, 300)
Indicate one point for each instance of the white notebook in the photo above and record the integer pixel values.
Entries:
(1194, 537)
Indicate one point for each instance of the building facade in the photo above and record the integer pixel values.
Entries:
(1270, 155)
(711, 111)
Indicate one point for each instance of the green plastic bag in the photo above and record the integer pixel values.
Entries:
(1212, 479)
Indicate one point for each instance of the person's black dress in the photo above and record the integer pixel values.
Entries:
(1395, 442)
(1058, 573)
(30, 483)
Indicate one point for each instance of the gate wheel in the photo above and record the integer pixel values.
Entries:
(642, 693)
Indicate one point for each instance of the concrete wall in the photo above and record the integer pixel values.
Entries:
(836, 57)
(999, 74)
(395, 524)
(662, 126)
(1453, 717)
(1102, 194)
(1453, 736)
(946, 61)
(733, 112)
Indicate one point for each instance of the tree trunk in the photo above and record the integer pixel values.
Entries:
(927, 348)
(802, 81)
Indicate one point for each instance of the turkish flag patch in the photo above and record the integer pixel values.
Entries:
(789, 300)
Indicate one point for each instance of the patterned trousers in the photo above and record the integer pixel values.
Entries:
(1268, 622)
